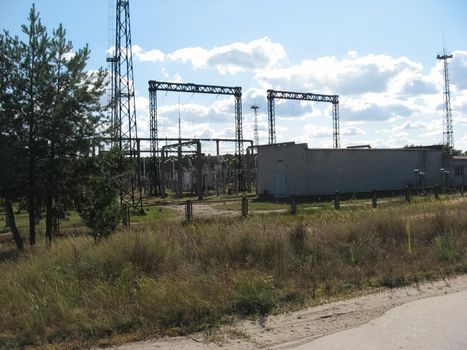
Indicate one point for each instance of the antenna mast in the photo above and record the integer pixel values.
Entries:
(255, 108)
(448, 133)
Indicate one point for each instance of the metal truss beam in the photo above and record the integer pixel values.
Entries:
(302, 96)
(194, 88)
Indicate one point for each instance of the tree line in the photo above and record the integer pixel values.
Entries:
(51, 116)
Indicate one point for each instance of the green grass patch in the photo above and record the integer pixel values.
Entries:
(72, 220)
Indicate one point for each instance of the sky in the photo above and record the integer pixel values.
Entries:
(378, 56)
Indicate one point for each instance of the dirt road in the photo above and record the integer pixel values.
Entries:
(429, 324)
(295, 329)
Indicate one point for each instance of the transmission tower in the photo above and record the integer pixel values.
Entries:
(255, 108)
(124, 112)
(448, 133)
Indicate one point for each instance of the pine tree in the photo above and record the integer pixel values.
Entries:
(33, 71)
(51, 117)
(12, 150)
(73, 115)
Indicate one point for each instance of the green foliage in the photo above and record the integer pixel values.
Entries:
(446, 247)
(256, 296)
(102, 212)
(99, 205)
(51, 116)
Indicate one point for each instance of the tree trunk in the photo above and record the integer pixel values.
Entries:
(12, 223)
(49, 218)
(49, 215)
(31, 153)
(31, 195)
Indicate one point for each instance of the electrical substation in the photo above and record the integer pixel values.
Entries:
(271, 170)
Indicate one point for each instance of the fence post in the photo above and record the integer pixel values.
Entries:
(188, 211)
(436, 192)
(293, 205)
(337, 203)
(462, 190)
(374, 199)
(244, 206)
(125, 216)
(407, 195)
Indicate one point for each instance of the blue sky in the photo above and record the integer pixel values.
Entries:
(379, 56)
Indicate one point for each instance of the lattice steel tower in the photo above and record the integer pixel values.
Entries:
(448, 133)
(255, 108)
(124, 112)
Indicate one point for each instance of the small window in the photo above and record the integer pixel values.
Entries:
(459, 171)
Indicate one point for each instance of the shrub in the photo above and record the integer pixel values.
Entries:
(446, 247)
(256, 296)
(100, 210)
(393, 280)
(297, 237)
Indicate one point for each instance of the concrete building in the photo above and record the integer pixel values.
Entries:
(294, 169)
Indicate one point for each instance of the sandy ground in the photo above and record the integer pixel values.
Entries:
(202, 211)
(301, 328)
(214, 210)
(429, 324)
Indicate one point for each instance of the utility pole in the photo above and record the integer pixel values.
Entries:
(255, 108)
(448, 133)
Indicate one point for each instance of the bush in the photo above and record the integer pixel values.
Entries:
(98, 205)
(446, 247)
(297, 237)
(256, 296)
(101, 211)
(393, 280)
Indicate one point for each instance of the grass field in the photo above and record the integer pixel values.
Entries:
(167, 278)
(73, 220)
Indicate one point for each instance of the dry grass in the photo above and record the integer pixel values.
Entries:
(169, 278)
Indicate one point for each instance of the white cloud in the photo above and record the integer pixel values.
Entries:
(402, 98)
(233, 58)
(153, 55)
(410, 125)
(374, 112)
(349, 76)
(458, 69)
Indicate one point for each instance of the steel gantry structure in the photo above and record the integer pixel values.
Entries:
(123, 117)
(302, 96)
(155, 86)
(199, 174)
